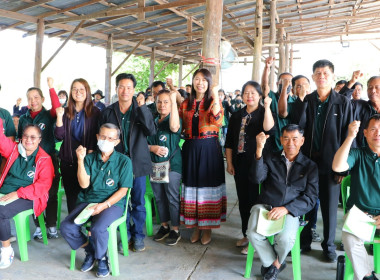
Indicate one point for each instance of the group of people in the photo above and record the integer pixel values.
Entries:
(279, 146)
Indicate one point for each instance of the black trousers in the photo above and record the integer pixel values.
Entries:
(329, 198)
(70, 181)
(247, 191)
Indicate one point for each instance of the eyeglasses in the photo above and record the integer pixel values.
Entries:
(32, 137)
(110, 139)
(81, 90)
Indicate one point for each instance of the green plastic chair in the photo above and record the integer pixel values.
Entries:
(23, 231)
(120, 223)
(60, 194)
(149, 195)
(349, 271)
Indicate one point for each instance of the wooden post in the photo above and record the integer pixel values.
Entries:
(141, 15)
(180, 72)
(287, 57)
(291, 59)
(272, 41)
(258, 41)
(211, 37)
(38, 56)
(109, 52)
(281, 52)
(152, 62)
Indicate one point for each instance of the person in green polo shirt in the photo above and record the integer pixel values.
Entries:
(104, 177)
(164, 146)
(364, 166)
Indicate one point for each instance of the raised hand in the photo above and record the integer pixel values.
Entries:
(353, 129)
(81, 152)
(261, 139)
(50, 82)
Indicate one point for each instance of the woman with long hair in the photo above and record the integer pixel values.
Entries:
(203, 198)
(77, 124)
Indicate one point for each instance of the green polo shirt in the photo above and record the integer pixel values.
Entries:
(165, 137)
(9, 127)
(46, 123)
(125, 123)
(320, 118)
(153, 108)
(21, 174)
(365, 180)
(279, 122)
(106, 177)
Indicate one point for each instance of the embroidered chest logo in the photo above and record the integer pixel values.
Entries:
(110, 182)
(30, 174)
(42, 126)
(163, 138)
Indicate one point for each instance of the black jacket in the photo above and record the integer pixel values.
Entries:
(362, 112)
(338, 116)
(297, 191)
(141, 126)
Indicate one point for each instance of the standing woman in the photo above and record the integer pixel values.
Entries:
(243, 127)
(76, 125)
(164, 146)
(45, 119)
(203, 198)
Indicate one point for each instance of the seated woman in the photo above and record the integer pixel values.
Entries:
(24, 183)
(164, 146)
(105, 177)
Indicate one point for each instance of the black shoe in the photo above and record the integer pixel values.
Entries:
(173, 238)
(305, 249)
(88, 263)
(264, 269)
(161, 234)
(272, 273)
(330, 256)
(371, 277)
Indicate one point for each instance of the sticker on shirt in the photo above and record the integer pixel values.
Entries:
(163, 138)
(30, 174)
(110, 182)
(42, 126)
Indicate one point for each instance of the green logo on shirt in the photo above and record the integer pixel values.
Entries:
(30, 174)
(42, 126)
(163, 138)
(110, 182)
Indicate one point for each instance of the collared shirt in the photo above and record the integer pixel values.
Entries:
(320, 119)
(365, 180)
(288, 163)
(106, 177)
(21, 174)
(77, 126)
(125, 123)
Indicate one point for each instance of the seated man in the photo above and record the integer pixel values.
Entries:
(364, 192)
(24, 183)
(289, 187)
(105, 178)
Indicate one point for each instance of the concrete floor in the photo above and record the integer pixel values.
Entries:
(218, 260)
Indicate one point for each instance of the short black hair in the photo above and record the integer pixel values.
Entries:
(254, 84)
(294, 79)
(188, 85)
(158, 83)
(183, 93)
(32, 125)
(375, 117)
(372, 78)
(221, 90)
(123, 76)
(323, 63)
(357, 84)
(341, 82)
(292, 127)
(282, 74)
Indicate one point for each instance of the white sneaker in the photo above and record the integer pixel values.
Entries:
(6, 258)
(37, 234)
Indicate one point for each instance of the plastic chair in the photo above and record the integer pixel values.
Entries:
(60, 194)
(149, 195)
(120, 223)
(349, 272)
(296, 257)
(23, 231)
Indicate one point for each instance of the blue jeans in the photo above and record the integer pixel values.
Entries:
(137, 213)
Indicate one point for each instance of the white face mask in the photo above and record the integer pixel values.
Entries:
(148, 103)
(22, 151)
(105, 146)
(62, 101)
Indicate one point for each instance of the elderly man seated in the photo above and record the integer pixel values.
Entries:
(24, 183)
(105, 177)
(289, 187)
(363, 164)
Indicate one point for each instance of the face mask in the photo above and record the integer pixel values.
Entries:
(62, 101)
(22, 151)
(105, 146)
(287, 90)
(148, 103)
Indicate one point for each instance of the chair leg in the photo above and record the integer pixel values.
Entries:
(158, 222)
(124, 238)
(348, 270)
(41, 221)
(376, 254)
(148, 220)
(72, 259)
(112, 253)
(59, 206)
(22, 222)
(248, 264)
(296, 257)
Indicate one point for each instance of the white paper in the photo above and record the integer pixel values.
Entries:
(267, 227)
(3, 203)
(84, 215)
(359, 224)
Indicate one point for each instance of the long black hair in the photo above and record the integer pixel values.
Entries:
(208, 94)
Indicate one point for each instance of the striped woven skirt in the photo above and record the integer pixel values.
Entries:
(203, 194)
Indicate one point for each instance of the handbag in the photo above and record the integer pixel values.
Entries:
(160, 170)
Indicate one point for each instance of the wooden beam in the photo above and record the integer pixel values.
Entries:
(258, 41)
(281, 51)
(335, 18)
(291, 59)
(191, 71)
(63, 44)
(108, 75)
(141, 15)
(152, 62)
(38, 55)
(128, 56)
(103, 14)
(373, 44)
(189, 28)
(287, 57)
(166, 64)
(17, 16)
(180, 69)
(162, 36)
(272, 41)
(240, 32)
